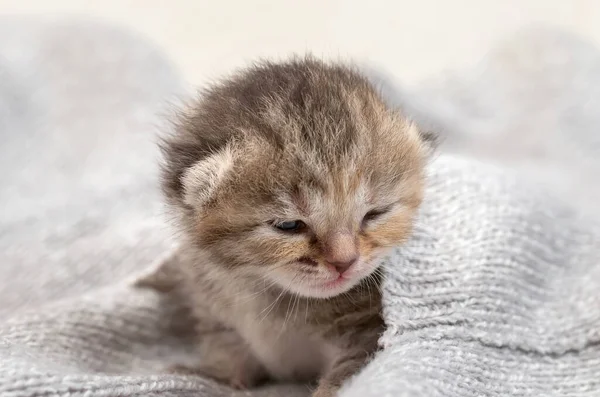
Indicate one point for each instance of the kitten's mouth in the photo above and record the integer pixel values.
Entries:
(331, 288)
(326, 287)
(341, 280)
(313, 283)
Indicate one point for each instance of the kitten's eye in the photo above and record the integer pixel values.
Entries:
(376, 213)
(290, 226)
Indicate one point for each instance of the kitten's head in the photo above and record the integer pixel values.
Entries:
(297, 173)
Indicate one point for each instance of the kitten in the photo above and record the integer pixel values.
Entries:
(288, 182)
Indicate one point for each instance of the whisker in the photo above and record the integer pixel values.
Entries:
(287, 311)
(299, 300)
(271, 306)
(248, 296)
(254, 294)
(368, 285)
(288, 308)
(306, 312)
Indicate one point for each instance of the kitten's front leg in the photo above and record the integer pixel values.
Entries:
(343, 368)
(241, 372)
(226, 358)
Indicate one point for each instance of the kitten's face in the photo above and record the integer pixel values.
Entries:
(309, 177)
(311, 229)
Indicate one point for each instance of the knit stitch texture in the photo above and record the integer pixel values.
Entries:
(496, 294)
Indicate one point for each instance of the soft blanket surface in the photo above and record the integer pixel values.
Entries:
(497, 293)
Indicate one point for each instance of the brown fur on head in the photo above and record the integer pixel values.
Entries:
(301, 145)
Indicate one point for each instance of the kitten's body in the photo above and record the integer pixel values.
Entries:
(249, 331)
(289, 181)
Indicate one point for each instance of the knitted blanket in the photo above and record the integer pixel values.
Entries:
(496, 294)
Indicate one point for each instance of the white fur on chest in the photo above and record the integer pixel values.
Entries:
(289, 354)
(286, 348)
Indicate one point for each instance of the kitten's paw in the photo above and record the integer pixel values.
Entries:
(205, 372)
(324, 391)
(247, 374)
(241, 383)
(178, 369)
(243, 376)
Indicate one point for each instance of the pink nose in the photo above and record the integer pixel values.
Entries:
(342, 266)
(340, 250)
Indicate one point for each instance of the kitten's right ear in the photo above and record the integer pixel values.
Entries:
(202, 179)
(430, 139)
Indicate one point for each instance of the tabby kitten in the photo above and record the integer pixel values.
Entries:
(288, 182)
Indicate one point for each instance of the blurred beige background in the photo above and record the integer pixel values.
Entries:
(415, 38)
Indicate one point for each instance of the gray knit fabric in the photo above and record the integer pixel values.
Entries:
(497, 293)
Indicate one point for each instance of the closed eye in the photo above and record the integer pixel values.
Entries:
(289, 226)
(376, 213)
